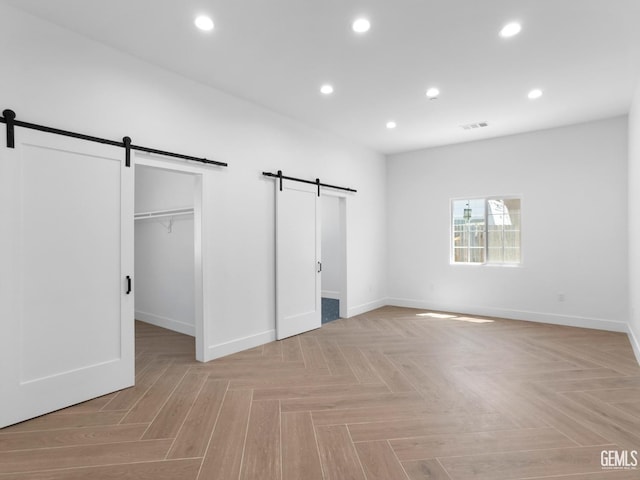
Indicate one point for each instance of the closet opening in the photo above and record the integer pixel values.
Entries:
(168, 292)
(334, 257)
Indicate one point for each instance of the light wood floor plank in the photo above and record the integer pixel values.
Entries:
(153, 400)
(617, 395)
(226, 446)
(94, 405)
(606, 475)
(127, 398)
(392, 410)
(312, 354)
(445, 445)
(516, 465)
(428, 425)
(172, 470)
(193, 437)
(291, 351)
(379, 462)
(78, 456)
(300, 459)
(548, 412)
(272, 349)
(343, 402)
(337, 363)
(388, 372)
(71, 420)
(301, 379)
(632, 408)
(314, 391)
(362, 368)
(338, 455)
(71, 436)
(425, 470)
(169, 420)
(262, 448)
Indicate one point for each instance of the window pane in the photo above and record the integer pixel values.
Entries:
(460, 255)
(476, 255)
(494, 255)
(468, 230)
(503, 242)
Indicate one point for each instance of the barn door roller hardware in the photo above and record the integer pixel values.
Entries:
(316, 182)
(9, 118)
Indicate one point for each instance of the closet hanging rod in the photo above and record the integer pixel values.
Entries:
(9, 118)
(163, 213)
(317, 181)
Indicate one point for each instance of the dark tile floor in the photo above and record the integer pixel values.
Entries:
(330, 310)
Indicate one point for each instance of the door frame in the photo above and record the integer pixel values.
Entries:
(201, 280)
(342, 209)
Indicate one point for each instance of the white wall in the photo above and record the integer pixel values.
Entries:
(331, 248)
(158, 189)
(574, 235)
(52, 76)
(164, 251)
(634, 223)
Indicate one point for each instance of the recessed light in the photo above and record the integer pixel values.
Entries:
(433, 93)
(510, 30)
(535, 93)
(204, 23)
(326, 89)
(391, 125)
(361, 25)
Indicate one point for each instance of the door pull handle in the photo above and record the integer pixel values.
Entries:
(319, 267)
(128, 285)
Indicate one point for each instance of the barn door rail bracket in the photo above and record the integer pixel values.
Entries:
(316, 182)
(9, 118)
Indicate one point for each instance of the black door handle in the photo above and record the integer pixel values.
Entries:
(128, 285)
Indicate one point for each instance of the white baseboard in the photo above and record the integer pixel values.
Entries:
(168, 323)
(227, 348)
(635, 342)
(331, 294)
(366, 307)
(234, 346)
(540, 317)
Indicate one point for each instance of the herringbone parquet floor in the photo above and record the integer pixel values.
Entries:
(392, 394)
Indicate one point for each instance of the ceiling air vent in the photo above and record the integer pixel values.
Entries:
(474, 126)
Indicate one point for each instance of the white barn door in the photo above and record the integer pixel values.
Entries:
(298, 264)
(66, 250)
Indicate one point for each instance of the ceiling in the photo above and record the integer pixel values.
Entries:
(583, 54)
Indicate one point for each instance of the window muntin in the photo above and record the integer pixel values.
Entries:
(486, 231)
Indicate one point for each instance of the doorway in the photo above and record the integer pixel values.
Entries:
(334, 257)
(164, 249)
(168, 247)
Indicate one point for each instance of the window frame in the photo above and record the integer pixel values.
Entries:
(486, 261)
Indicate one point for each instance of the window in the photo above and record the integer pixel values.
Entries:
(486, 231)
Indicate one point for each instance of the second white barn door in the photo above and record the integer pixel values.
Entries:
(298, 261)
(66, 250)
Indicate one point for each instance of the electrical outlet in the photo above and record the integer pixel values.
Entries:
(561, 297)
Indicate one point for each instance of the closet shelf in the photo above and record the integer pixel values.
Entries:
(163, 213)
